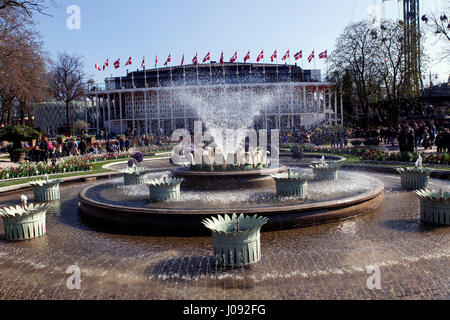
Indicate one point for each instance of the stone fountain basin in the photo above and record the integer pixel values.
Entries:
(181, 218)
(226, 180)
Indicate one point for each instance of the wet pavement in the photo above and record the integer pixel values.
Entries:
(322, 262)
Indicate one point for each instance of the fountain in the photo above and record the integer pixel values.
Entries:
(236, 239)
(46, 190)
(291, 184)
(434, 206)
(325, 171)
(222, 173)
(24, 222)
(134, 175)
(164, 188)
(414, 178)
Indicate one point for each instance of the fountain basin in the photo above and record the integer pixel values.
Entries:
(178, 217)
(226, 180)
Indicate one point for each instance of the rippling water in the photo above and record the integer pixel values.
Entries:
(321, 262)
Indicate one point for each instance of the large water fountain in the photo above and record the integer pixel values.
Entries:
(235, 173)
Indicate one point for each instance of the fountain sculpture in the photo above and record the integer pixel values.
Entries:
(434, 206)
(46, 190)
(236, 239)
(24, 222)
(414, 178)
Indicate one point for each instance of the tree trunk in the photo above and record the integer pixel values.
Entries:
(68, 115)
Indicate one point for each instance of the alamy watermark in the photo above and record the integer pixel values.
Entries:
(374, 280)
(73, 22)
(74, 280)
(226, 143)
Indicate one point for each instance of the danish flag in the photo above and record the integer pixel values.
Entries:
(298, 55)
(274, 56)
(323, 55)
(311, 56)
(156, 61)
(117, 64)
(182, 60)
(106, 64)
(128, 62)
(143, 62)
(195, 60)
(260, 56)
(221, 58)
(206, 58)
(234, 57)
(168, 60)
(97, 67)
(247, 56)
(286, 56)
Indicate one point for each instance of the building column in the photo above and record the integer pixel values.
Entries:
(132, 108)
(304, 99)
(109, 113)
(146, 113)
(171, 110)
(120, 112)
(329, 104)
(158, 106)
(98, 114)
(104, 114)
(292, 107)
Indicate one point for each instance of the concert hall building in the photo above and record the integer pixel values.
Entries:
(145, 99)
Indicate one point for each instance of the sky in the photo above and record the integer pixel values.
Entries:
(112, 29)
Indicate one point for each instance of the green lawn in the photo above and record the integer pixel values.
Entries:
(96, 168)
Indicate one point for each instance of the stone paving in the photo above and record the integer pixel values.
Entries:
(323, 262)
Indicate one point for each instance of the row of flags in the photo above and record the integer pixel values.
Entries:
(297, 55)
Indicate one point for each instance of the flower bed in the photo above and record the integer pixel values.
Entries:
(374, 154)
(30, 169)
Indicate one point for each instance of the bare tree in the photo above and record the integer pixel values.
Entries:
(27, 6)
(439, 24)
(66, 81)
(23, 60)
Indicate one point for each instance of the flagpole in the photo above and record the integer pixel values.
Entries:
(196, 55)
(276, 62)
(290, 75)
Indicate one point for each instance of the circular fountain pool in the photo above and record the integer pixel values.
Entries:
(129, 206)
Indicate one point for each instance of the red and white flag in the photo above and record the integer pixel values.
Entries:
(128, 62)
(168, 60)
(97, 67)
(323, 55)
(106, 64)
(286, 56)
(182, 60)
(260, 56)
(195, 60)
(156, 61)
(143, 62)
(117, 64)
(234, 57)
(207, 58)
(247, 56)
(298, 55)
(221, 58)
(311, 56)
(274, 56)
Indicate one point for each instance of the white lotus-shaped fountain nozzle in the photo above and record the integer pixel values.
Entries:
(419, 163)
(24, 200)
(46, 177)
(322, 159)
